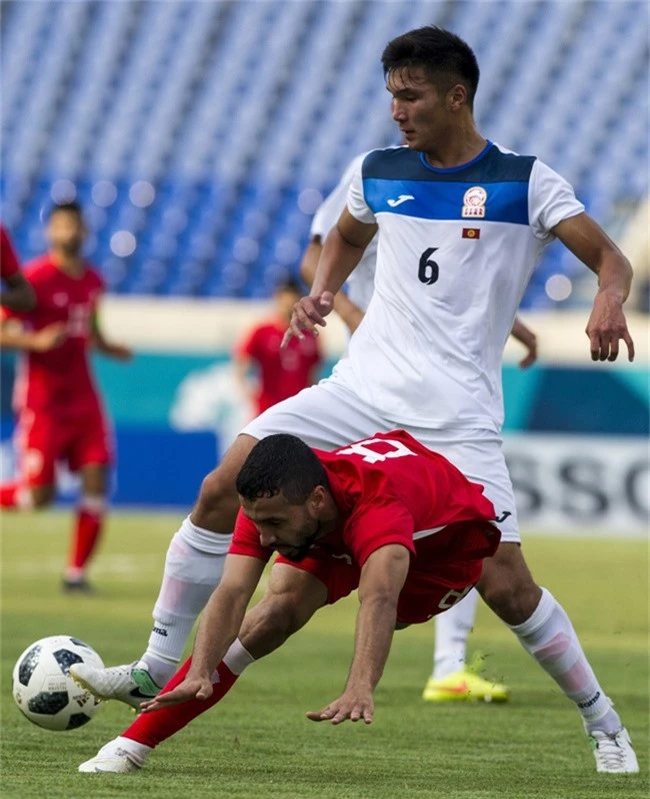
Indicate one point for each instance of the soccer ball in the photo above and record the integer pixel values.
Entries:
(43, 688)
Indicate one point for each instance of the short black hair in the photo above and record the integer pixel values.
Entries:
(281, 463)
(290, 284)
(445, 57)
(71, 207)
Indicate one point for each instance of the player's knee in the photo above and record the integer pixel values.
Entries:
(281, 614)
(218, 494)
(268, 626)
(513, 601)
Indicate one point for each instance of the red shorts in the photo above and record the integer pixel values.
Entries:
(44, 437)
(445, 568)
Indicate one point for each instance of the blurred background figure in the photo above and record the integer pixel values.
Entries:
(15, 293)
(278, 373)
(60, 413)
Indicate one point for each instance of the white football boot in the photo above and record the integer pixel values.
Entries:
(119, 756)
(131, 684)
(613, 752)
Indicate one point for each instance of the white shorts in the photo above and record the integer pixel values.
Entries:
(328, 416)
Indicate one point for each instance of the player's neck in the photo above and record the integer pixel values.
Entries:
(460, 147)
(330, 517)
(72, 265)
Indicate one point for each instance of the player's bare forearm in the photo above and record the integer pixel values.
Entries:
(242, 367)
(374, 635)
(525, 335)
(309, 263)
(116, 351)
(589, 242)
(223, 615)
(607, 324)
(219, 626)
(342, 251)
(14, 337)
(382, 578)
(350, 313)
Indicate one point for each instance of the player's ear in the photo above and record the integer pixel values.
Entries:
(456, 97)
(317, 498)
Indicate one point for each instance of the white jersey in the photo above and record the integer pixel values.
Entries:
(456, 250)
(361, 283)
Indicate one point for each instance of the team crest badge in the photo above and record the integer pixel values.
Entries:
(474, 201)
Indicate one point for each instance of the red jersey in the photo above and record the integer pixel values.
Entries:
(9, 263)
(283, 373)
(62, 378)
(390, 489)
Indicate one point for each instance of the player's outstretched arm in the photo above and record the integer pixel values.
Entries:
(14, 337)
(342, 251)
(607, 324)
(382, 579)
(525, 335)
(219, 626)
(117, 351)
(349, 312)
(17, 294)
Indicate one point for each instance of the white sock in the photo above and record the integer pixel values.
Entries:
(452, 631)
(549, 637)
(139, 751)
(193, 568)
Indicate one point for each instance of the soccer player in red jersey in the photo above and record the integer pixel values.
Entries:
(60, 413)
(385, 515)
(16, 293)
(281, 372)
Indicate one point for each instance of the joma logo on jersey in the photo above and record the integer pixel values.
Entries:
(403, 198)
(474, 201)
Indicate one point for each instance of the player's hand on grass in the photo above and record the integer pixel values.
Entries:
(190, 688)
(308, 313)
(352, 705)
(49, 337)
(607, 326)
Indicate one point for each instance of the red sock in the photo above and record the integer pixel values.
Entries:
(9, 495)
(154, 728)
(86, 535)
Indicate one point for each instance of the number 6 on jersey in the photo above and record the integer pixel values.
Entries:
(428, 270)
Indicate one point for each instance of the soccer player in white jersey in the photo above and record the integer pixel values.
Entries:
(451, 680)
(461, 225)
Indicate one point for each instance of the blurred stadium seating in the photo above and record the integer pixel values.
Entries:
(201, 136)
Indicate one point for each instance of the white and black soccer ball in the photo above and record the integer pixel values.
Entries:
(43, 688)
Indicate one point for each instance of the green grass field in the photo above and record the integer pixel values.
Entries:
(257, 743)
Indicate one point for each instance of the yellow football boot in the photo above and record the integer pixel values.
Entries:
(464, 686)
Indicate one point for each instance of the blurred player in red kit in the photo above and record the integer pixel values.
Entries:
(16, 293)
(385, 515)
(60, 413)
(281, 372)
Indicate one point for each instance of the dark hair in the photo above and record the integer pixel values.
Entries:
(280, 463)
(290, 284)
(445, 57)
(71, 207)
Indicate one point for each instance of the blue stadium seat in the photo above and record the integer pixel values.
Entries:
(191, 130)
